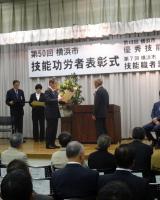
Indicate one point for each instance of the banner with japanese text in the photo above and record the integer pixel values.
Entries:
(106, 56)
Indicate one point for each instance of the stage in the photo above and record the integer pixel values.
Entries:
(37, 150)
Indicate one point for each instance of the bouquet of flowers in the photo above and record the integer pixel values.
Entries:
(70, 91)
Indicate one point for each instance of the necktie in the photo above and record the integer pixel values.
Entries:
(17, 94)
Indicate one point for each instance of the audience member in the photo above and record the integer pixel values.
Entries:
(154, 124)
(115, 190)
(155, 161)
(59, 158)
(13, 151)
(16, 185)
(102, 159)
(125, 159)
(143, 152)
(74, 180)
(20, 165)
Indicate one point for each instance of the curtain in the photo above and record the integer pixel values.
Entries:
(20, 15)
(135, 93)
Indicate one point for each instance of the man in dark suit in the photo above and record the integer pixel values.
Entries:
(15, 100)
(143, 152)
(115, 190)
(52, 113)
(102, 159)
(154, 125)
(75, 181)
(125, 159)
(38, 117)
(101, 104)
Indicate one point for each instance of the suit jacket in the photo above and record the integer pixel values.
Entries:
(101, 160)
(51, 109)
(101, 103)
(37, 109)
(138, 186)
(156, 110)
(12, 153)
(75, 181)
(143, 153)
(19, 101)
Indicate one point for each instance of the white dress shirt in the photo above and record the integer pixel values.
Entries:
(38, 96)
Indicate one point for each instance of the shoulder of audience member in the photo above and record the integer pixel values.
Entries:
(148, 147)
(41, 197)
(92, 154)
(102, 180)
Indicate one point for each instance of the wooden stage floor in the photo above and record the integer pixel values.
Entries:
(38, 150)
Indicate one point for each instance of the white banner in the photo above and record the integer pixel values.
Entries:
(112, 56)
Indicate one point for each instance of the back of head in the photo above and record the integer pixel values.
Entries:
(74, 149)
(16, 140)
(138, 133)
(124, 156)
(64, 138)
(18, 165)
(115, 190)
(98, 82)
(103, 142)
(16, 185)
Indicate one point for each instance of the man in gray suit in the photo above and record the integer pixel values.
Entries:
(13, 151)
(101, 104)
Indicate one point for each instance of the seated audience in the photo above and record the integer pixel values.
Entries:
(143, 152)
(16, 185)
(13, 151)
(102, 159)
(155, 161)
(74, 180)
(154, 124)
(20, 165)
(115, 190)
(59, 158)
(125, 159)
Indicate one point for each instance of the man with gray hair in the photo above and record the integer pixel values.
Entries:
(102, 159)
(101, 105)
(74, 180)
(13, 151)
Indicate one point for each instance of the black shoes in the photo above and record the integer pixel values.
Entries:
(52, 147)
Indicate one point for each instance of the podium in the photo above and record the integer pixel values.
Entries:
(82, 127)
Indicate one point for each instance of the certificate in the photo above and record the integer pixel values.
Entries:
(38, 103)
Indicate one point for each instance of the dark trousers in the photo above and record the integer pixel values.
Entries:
(51, 131)
(38, 120)
(151, 127)
(17, 123)
(101, 126)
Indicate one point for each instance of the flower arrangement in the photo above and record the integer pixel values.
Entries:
(71, 91)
